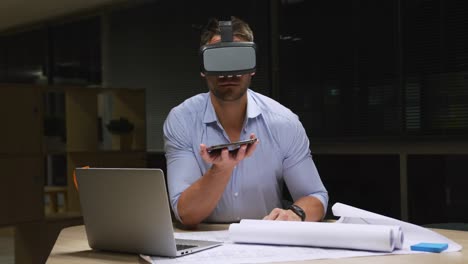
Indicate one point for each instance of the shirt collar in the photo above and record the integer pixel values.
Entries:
(253, 110)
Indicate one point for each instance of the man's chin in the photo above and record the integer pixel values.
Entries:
(228, 96)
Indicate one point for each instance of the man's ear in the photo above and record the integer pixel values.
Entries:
(202, 74)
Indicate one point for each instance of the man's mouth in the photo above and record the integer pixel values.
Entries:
(227, 84)
(225, 81)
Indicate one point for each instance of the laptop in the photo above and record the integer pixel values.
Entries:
(127, 210)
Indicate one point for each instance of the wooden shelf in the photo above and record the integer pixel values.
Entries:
(84, 107)
(25, 150)
(53, 192)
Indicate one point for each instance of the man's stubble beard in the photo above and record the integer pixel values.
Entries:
(230, 94)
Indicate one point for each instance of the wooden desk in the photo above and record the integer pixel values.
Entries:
(72, 247)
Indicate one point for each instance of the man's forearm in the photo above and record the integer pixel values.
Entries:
(312, 206)
(199, 200)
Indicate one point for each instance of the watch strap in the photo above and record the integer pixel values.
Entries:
(298, 210)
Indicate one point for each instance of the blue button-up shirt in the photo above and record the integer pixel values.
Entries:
(255, 187)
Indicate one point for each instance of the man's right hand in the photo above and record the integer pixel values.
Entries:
(227, 160)
(195, 203)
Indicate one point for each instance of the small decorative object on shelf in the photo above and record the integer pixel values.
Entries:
(120, 126)
(123, 128)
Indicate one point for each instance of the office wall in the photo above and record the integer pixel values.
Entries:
(144, 51)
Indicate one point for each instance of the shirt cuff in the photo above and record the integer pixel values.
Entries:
(174, 209)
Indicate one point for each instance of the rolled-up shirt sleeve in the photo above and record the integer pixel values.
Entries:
(182, 167)
(299, 171)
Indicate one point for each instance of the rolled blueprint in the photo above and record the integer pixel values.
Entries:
(352, 215)
(327, 235)
(397, 231)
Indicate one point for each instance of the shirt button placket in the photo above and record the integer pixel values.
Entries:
(236, 194)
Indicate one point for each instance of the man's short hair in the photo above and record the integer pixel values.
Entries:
(240, 29)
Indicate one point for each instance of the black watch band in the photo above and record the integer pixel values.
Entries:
(297, 210)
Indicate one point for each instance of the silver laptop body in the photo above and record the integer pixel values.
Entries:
(127, 210)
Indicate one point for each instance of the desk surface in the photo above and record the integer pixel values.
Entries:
(72, 247)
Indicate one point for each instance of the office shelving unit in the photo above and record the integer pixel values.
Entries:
(25, 151)
(88, 143)
(20, 154)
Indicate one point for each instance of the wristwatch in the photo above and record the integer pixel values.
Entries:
(297, 210)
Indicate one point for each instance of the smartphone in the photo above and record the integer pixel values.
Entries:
(232, 147)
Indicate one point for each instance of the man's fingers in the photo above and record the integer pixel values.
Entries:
(204, 153)
(225, 154)
(251, 148)
(208, 157)
(241, 153)
(278, 214)
(282, 217)
(273, 214)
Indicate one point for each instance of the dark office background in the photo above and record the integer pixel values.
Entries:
(380, 86)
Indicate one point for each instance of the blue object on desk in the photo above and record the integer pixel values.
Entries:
(430, 247)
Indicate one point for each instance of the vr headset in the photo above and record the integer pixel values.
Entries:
(227, 57)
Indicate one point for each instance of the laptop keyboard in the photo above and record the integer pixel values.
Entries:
(182, 246)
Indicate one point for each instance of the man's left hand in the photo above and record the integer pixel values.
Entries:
(282, 215)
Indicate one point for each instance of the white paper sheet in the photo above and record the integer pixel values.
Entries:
(232, 253)
(413, 234)
(329, 235)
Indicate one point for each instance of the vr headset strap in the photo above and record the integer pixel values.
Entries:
(226, 31)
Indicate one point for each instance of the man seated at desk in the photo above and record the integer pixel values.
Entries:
(230, 187)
